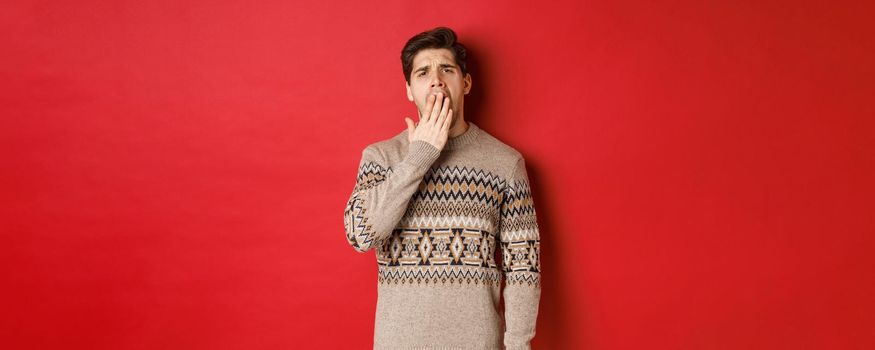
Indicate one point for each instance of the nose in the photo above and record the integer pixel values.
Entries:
(436, 81)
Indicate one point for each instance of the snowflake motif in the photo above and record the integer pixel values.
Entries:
(396, 248)
(410, 248)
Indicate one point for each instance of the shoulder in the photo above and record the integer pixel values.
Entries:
(502, 153)
(386, 149)
(499, 147)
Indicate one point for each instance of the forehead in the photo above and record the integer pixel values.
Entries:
(433, 56)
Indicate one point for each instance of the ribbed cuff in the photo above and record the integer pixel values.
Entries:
(421, 153)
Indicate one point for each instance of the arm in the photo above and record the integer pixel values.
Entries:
(520, 247)
(381, 193)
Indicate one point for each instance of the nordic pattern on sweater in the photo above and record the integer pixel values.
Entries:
(440, 223)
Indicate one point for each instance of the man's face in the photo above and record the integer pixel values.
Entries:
(435, 70)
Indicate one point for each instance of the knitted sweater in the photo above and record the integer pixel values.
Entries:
(436, 220)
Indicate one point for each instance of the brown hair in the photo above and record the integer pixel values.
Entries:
(437, 38)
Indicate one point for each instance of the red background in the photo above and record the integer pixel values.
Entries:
(174, 173)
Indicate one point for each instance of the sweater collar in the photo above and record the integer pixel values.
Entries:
(466, 138)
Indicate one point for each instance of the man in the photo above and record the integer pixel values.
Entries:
(436, 202)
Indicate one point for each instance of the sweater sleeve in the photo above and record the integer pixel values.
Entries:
(521, 266)
(381, 193)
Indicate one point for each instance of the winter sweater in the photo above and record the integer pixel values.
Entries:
(437, 220)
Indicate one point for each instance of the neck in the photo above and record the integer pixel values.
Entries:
(461, 135)
(459, 127)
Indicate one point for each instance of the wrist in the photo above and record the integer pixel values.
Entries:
(421, 153)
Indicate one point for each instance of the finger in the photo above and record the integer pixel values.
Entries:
(443, 113)
(426, 113)
(448, 120)
(436, 109)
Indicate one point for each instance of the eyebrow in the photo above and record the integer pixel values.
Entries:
(442, 65)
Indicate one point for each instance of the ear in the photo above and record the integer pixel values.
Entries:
(409, 93)
(467, 83)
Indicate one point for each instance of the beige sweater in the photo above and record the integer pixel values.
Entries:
(436, 220)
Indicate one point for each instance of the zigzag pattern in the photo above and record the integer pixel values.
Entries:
(455, 183)
(370, 174)
(359, 232)
(523, 278)
(455, 208)
(442, 274)
(518, 199)
(518, 218)
(520, 239)
(445, 221)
